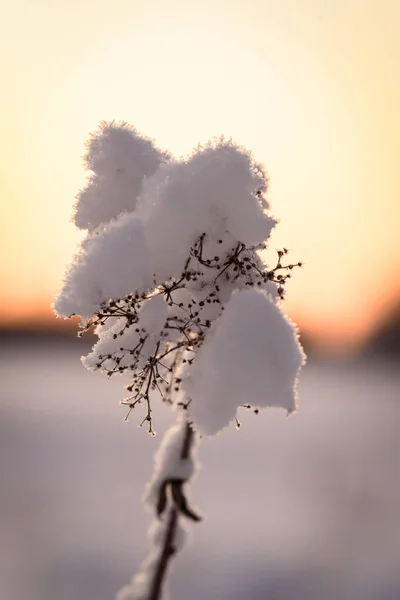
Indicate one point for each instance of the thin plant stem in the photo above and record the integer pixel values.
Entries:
(168, 548)
(167, 551)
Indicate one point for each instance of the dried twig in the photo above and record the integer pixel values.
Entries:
(172, 490)
(186, 326)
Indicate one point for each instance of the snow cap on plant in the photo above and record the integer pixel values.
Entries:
(118, 159)
(185, 251)
(109, 263)
(253, 355)
(217, 190)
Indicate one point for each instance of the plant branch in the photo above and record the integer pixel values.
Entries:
(179, 507)
(167, 551)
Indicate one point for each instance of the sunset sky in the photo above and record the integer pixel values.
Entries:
(311, 86)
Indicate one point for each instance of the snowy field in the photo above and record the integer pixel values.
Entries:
(298, 508)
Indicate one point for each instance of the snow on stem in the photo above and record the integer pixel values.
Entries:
(174, 466)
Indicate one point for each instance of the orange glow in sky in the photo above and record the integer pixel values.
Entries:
(312, 87)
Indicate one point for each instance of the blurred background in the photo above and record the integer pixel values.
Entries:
(298, 508)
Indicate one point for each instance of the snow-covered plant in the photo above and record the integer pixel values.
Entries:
(171, 277)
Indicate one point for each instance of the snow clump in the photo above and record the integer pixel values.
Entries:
(253, 356)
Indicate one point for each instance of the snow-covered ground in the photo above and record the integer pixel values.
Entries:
(305, 507)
